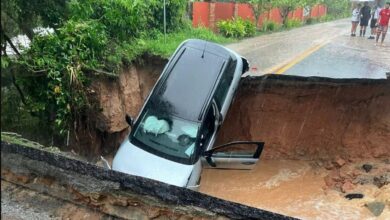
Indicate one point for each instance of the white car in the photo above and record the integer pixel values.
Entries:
(174, 134)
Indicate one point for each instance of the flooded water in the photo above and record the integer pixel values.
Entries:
(294, 188)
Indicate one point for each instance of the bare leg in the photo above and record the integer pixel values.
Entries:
(383, 37)
(378, 34)
(354, 27)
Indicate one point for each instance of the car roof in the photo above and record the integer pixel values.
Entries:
(188, 82)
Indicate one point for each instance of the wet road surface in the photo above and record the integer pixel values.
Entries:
(324, 49)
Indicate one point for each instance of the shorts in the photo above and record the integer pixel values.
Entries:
(364, 22)
(373, 23)
(355, 22)
(383, 28)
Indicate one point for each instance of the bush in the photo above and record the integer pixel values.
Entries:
(292, 23)
(164, 46)
(311, 20)
(326, 18)
(269, 25)
(250, 28)
(236, 28)
(97, 36)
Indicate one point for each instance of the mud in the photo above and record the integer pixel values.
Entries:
(298, 189)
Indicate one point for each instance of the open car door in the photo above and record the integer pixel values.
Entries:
(241, 155)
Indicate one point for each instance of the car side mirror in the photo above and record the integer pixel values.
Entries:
(129, 120)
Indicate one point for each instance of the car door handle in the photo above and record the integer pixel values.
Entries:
(248, 163)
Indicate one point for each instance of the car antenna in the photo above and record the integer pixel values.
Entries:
(204, 49)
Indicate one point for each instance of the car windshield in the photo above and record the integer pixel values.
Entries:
(169, 137)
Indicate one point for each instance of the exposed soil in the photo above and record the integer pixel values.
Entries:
(311, 119)
(315, 119)
(116, 97)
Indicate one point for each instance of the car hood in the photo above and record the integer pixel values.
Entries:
(133, 160)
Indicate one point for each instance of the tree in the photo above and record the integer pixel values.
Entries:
(337, 8)
(21, 17)
(259, 7)
(287, 6)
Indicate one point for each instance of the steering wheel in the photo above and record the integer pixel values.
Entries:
(185, 140)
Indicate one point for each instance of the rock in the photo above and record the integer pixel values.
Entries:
(328, 166)
(333, 179)
(356, 173)
(367, 167)
(376, 207)
(354, 196)
(381, 181)
(328, 181)
(339, 162)
(347, 186)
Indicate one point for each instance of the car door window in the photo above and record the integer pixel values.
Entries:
(209, 126)
(241, 155)
(224, 84)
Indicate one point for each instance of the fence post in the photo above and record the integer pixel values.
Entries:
(212, 15)
(235, 14)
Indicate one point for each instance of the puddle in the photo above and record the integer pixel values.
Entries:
(293, 188)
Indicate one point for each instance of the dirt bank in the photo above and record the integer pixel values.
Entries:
(297, 117)
(312, 118)
(115, 97)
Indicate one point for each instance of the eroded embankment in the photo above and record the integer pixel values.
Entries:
(312, 118)
(111, 192)
(297, 117)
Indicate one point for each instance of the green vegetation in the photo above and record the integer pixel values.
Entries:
(91, 37)
(236, 28)
(45, 86)
(269, 25)
(258, 7)
(165, 46)
(14, 138)
(337, 8)
(293, 23)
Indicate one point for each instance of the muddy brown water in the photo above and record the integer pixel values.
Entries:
(291, 187)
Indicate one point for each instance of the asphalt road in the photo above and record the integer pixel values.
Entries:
(324, 49)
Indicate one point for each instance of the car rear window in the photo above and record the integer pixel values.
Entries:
(190, 83)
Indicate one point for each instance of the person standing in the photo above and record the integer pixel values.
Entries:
(355, 19)
(374, 21)
(364, 18)
(383, 24)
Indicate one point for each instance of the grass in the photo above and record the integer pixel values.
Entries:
(15, 138)
(165, 46)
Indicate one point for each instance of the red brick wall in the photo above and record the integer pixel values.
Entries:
(204, 15)
(245, 12)
(201, 14)
(224, 11)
